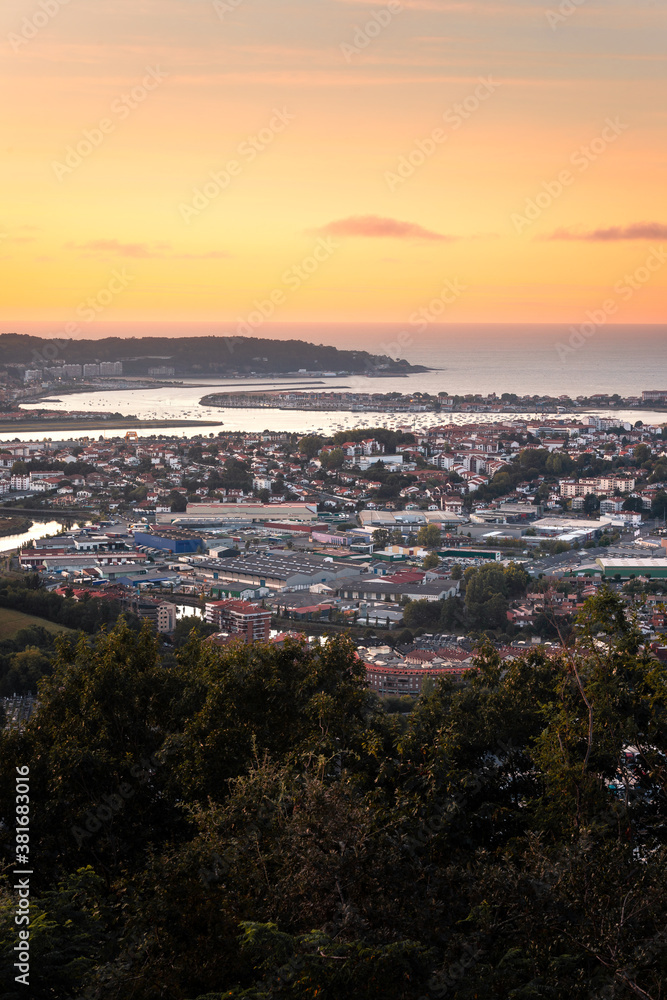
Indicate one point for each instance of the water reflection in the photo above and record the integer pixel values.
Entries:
(40, 529)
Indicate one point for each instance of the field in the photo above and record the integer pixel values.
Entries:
(12, 621)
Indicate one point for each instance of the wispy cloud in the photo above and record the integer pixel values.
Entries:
(209, 255)
(612, 234)
(118, 249)
(378, 226)
(9, 238)
(140, 250)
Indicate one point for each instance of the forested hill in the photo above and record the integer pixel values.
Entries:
(194, 354)
(250, 822)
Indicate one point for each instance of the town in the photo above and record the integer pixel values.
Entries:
(419, 544)
(333, 501)
(424, 402)
(26, 382)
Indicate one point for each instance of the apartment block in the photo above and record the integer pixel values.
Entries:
(248, 621)
(597, 485)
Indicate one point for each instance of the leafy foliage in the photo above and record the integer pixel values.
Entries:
(273, 828)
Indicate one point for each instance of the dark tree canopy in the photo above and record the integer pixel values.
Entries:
(251, 822)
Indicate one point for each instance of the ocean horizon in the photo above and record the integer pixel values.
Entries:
(555, 359)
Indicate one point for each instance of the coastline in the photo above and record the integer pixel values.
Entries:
(272, 400)
(131, 383)
(14, 525)
(97, 423)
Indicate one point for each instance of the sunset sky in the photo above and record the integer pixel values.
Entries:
(115, 113)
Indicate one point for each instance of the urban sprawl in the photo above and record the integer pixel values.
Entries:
(418, 543)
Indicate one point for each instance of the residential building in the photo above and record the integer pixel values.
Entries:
(249, 621)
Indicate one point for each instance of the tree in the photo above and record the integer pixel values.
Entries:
(67, 928)
(559, 463)
(428, 687)
(179, 503)
(451, 614)
(641, 453)
(310, 445)
(659, 474)
(190, 626)
(24, 669)
(429, 536)
(659, 505)
(252, 821)
(488, 591)
(635, 504)
(332, 459)
(430, 561)
(591, 503)
(417, 614)
(380, 538)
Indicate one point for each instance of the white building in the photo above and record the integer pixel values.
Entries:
(166, 617)
(111, 367)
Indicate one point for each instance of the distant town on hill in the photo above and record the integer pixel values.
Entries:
(198, 355)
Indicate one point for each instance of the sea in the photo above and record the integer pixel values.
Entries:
(462, 358)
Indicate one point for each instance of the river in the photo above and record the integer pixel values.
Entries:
(40, 529)
(182, 402)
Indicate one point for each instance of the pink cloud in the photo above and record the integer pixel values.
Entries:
(117, 248)
(377, 226)
(635, 231)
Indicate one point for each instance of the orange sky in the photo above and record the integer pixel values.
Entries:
(361, 162)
